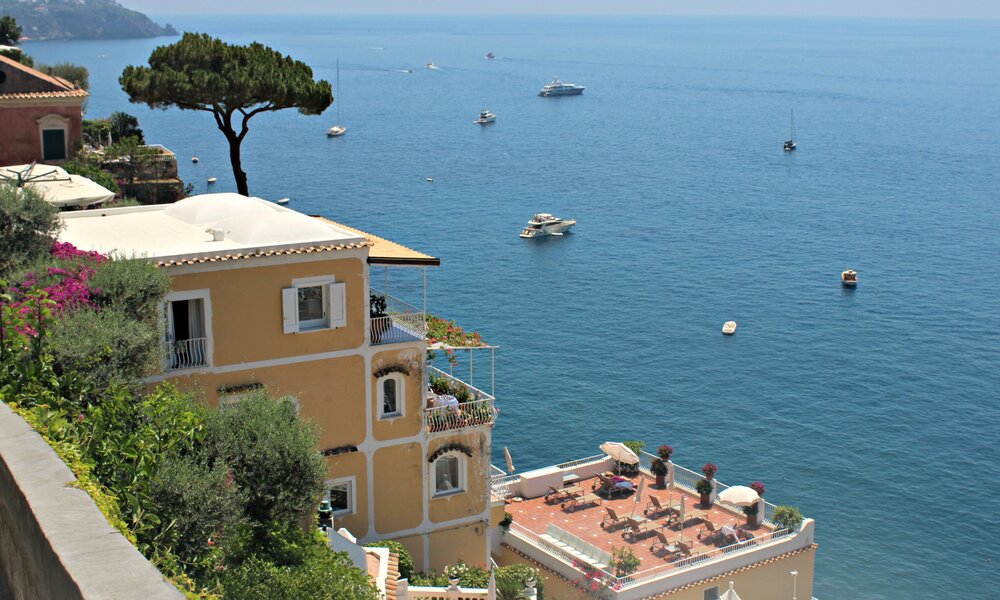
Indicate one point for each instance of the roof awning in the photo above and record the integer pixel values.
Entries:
(385, 252)
(57, 186)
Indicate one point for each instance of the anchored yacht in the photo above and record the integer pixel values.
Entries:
(560, 88)
(486, 117)
(546, 224)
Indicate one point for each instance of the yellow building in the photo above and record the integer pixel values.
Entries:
(262, 295)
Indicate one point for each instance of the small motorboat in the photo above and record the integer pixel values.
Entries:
(429, 179)
(849, 278)
(543, 224)
(336, 131)
(485, 117)
(729, 327)
(430, 65)
(211, 180)
(405, 70)
(194, 159)
(490, 56)
(283, 201)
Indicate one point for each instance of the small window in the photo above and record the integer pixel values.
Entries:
(340, 493)
(312, 311)
(448, 476)
(712, 593)
(53, 144)
(314, 304)
(391, 396)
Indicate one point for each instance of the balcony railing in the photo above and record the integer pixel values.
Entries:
(476, 413)
(186, 354)
(401, 323)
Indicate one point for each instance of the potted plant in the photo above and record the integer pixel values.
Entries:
(704, 488)
(752, 512)
(758, 487)
(665, 452)
(659, 469)
(378, 308)
(709, 469)
(788, 517)
(507, 520)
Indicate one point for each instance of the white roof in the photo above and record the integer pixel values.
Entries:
(185, 229)
(58, 187)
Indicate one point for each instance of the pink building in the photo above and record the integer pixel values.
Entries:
(41, 116)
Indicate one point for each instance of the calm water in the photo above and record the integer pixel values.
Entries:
(874, 411)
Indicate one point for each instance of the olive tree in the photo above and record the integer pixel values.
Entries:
(27, 226)
(234, 83)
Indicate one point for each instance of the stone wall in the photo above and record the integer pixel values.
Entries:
(54, 542)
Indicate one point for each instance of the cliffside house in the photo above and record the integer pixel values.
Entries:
(262, 295)
(41, 116)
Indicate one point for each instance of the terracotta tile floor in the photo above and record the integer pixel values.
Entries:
(535, 514)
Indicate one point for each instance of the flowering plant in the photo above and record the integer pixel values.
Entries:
(665, 451)
(449, 333)
(758, 487)
(709, 469)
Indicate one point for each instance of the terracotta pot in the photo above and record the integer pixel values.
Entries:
(706, 500)
(661, 481)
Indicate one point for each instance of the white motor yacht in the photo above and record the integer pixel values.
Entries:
(545, 224)
(486, 117)
(430, 65)
(560, 88)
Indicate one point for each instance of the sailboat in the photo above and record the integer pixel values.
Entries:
(338, 129)
(790, 144)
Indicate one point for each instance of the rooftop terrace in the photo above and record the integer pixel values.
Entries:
(577, 529)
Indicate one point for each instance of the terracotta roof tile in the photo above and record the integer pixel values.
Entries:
(32, 95)
(64, 89)
(260, 253)
(392, 577)
(388, 252)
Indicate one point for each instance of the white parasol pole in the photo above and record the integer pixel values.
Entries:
(682, 518)
(638, 494)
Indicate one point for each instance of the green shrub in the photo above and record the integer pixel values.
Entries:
(132, 285)
(272, 455)
(27, 225)
(521, 574)
(468, 576)
(635, 446)
(321, 575)
(788, 517)
(703, 486)
(102, 347)
(623, 561)
(405, 559)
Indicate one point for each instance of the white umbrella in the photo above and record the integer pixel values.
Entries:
(739, 495)
(57, 186)
(638, 494)
(730, 594)
(510, 462)
(620, 452)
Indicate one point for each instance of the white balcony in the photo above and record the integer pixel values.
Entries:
(475, 408)
(186, 354)
(402, 322)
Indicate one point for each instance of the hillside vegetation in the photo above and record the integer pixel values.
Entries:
(80, 20)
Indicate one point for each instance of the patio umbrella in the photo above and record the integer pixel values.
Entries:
(681, 518)
(739, 495)
(57, 186)
(510, 461)
(620, 452)
(730, 593)
(638, 494)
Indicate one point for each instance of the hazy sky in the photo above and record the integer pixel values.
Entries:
(847, 8)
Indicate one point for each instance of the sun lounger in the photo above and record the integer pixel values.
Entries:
(654, 507)
(578, 501)
(561, 495)
(664, 544)
(612, 488)
(637, 528)
(611, 517)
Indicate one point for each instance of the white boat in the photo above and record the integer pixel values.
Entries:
(283, 201)
(430, 65)
(729, 327)
(543, 224)
(194, 159)
(849, 278)
(560, 88)
(486, 117)
(338, 129)
(790, 144)
(429, 179)
(211, 180)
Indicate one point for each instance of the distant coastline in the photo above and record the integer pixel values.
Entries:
(81, 20)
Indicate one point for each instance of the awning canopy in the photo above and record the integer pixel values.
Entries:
(57, 186)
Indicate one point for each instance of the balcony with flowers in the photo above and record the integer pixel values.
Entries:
(451, 402)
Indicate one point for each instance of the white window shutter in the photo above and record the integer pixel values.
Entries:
(336, 294)
(290, 309)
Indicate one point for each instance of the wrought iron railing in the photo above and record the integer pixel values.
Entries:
(186, 354)
(476, 413)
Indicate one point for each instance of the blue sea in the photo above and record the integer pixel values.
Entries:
(875, 410)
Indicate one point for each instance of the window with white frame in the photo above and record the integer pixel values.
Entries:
(391, 395)
(340, 493)
(449, 475)
(314, 304)
(188, 329)
(53, 131)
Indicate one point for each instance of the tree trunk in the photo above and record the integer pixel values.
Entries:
(234, 157)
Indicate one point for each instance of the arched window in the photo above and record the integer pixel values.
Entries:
(449, 474)
(391, 395)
